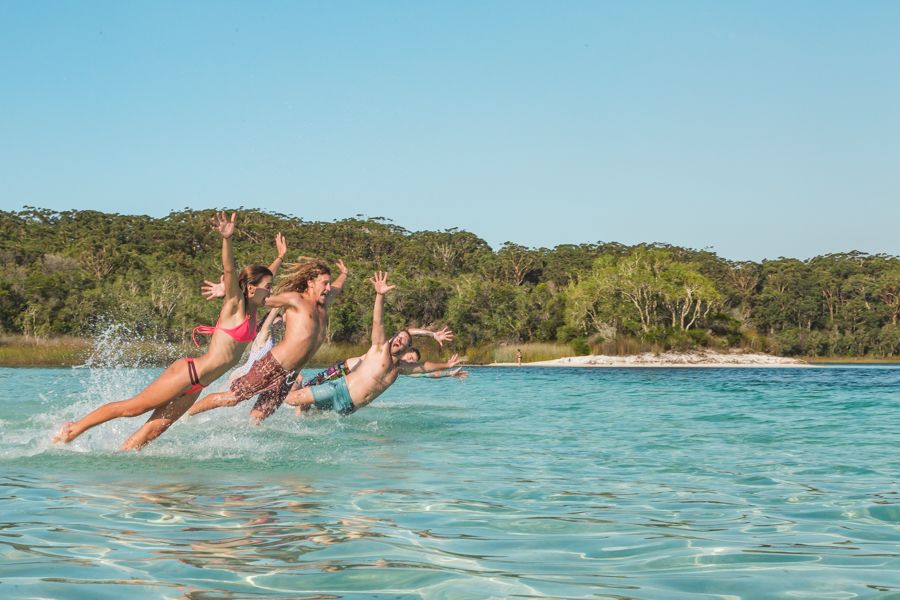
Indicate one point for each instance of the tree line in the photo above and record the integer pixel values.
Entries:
(69, 272)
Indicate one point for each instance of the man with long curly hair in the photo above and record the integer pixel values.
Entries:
(304, 293)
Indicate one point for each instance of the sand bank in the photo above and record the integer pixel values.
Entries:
(670, 359)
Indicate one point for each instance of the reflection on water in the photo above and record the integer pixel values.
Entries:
(611, 485)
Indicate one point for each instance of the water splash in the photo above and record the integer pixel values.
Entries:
(119, 345)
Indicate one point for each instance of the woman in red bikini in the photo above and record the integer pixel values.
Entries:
(179, 386)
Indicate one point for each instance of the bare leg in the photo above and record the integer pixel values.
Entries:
(211, 401)
(302, 399)
(161, 419)
(173, 382)
(267, 404)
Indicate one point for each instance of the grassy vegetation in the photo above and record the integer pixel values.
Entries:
(532, 352)
(329, 354)
(851, 359)
(19, 351)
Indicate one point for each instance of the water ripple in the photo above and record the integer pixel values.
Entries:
(610, 484)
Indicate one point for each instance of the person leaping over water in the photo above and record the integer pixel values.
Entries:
(179, 386)
(304, 293)
(343, 367)
(266, 336)
(411, 358)
(377, 371)
(265, 341)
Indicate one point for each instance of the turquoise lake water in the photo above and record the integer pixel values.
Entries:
(516, 483)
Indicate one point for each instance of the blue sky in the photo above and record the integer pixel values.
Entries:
(756, 129)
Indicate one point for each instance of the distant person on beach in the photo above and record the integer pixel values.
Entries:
(518, 358)
(304, 293)
(179, 386)
(377, 371)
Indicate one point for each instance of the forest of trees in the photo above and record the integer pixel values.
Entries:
(65, 273)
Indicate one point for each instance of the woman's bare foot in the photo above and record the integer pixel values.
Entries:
(65, 434)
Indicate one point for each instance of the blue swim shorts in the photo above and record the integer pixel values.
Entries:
(333, 395)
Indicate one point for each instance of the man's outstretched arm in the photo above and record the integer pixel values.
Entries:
(428, 366)
(379, 282)
(440, 336)
(283, 299)
(458, 373)
(337, 286)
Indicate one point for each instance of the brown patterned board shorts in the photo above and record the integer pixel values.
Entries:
(268, 379)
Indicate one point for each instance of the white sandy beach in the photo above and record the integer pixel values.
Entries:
(670, 359)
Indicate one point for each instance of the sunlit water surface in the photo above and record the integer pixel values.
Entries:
(516, 483)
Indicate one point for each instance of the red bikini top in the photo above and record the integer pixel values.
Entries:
(244, 333)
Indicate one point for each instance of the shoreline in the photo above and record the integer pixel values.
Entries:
(68, 352)
(672, 360)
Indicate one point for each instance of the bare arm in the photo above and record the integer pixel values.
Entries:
(265, 330)
(281, 247)
(379, 282)
(212, 290)
(352, 363)
(458, 373)
(409, 368)
(229, 277)
(440, 336)
(337, 286)
(283, 299)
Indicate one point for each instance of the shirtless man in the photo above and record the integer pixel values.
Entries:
(343, 367)
(377, 371)
(408, 363)
(304, 294)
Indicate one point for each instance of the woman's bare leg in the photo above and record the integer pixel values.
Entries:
(173, 382)
(161, 419)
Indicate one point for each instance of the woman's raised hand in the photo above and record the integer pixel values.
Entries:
(212, 290)
(223, 225)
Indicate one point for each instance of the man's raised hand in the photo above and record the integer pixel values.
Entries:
(379, 282)
(443, 335)
(280, 245)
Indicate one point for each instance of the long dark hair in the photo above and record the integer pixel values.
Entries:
(252, 275)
